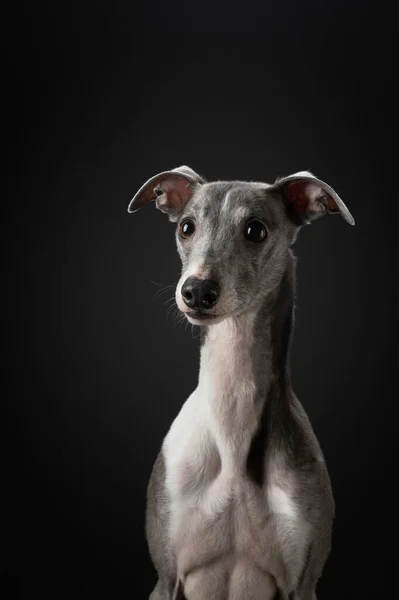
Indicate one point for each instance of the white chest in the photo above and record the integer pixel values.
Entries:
(215, 509)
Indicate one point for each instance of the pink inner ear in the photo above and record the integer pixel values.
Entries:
(307, 197)
(332, 207)
(177, 192)
(295, 194)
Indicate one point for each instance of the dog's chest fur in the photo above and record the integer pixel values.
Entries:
(217, 511)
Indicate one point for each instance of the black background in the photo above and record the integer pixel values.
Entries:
(101, 96)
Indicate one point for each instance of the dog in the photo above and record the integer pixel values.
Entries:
(239, 502)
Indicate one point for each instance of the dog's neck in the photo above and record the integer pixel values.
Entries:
(244, 368)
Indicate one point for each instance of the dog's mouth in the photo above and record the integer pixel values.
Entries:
(200, 315)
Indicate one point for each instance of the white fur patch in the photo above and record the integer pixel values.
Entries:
(226, 200)
(281, 503)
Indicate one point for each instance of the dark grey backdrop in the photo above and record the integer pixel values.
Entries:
(102, 96)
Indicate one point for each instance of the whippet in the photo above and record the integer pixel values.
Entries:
(239, 502)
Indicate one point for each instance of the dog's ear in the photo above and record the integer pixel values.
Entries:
(171, 191)
(306, 198)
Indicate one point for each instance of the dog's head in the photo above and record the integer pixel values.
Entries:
(233, 237)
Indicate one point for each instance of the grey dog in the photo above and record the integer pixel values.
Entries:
(239, 503)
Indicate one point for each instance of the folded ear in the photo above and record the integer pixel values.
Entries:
(171, 191)
(306, 198)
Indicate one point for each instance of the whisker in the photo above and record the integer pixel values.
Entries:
(198, 334)
(173, 311)
(163, 290)
(172, 299)
(159, 284)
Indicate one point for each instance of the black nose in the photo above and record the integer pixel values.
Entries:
(200, 293)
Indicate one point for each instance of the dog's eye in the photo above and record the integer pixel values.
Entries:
(255, 231)
(186, 228)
